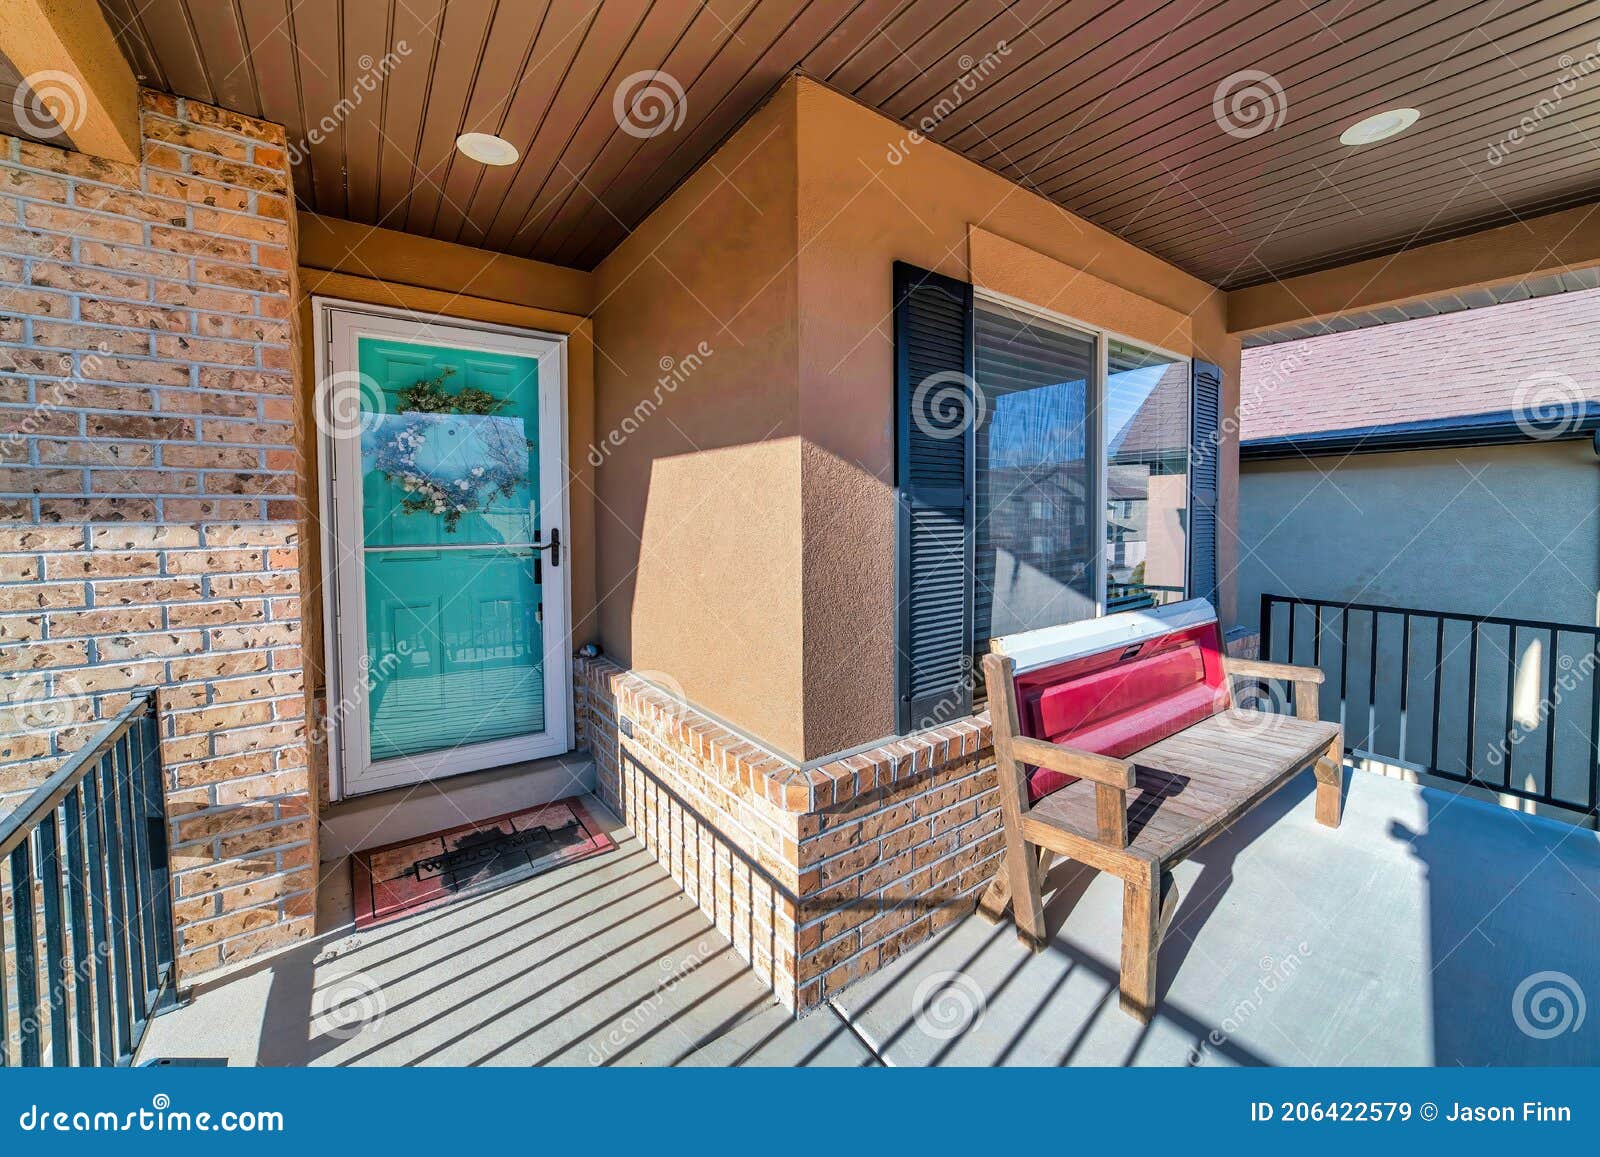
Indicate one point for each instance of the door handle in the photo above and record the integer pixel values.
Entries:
(553, 546)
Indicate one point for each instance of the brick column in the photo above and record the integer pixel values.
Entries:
(151, 498)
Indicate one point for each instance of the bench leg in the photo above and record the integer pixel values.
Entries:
(1141, 938)
(1022, 866)
(996, 897)
(1330, 785)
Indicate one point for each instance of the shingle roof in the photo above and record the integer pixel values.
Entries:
(1161, 424)
(1537, 352)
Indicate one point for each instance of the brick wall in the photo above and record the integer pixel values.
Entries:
(817, 875)
(151, 512)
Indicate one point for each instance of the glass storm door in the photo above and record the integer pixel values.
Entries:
(443, 451)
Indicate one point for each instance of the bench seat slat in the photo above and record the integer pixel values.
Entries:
(1189, 786)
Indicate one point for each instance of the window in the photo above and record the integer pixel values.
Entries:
(1044, 472)
(1147, 476)
(1033, 520)
(1080, 474)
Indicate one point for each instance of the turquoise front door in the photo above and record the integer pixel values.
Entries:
(447, 522)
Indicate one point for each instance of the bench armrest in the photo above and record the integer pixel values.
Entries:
(1111, 778)
(1305, 680)
(1071, 761)
(1260, 669)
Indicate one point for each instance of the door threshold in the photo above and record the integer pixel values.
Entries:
(403, 813)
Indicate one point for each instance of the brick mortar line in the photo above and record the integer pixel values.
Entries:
(810, 865)
(98, 214)
(257, 295)
(961, 846)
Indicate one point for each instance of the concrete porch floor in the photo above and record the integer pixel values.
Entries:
(1401, 938)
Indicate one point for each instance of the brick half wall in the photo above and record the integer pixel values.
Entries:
(151, 498)
(818, 876)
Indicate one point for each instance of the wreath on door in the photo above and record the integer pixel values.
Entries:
(451, 454)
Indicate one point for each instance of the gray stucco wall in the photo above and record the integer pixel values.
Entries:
(1510, 531)
(1496, 530)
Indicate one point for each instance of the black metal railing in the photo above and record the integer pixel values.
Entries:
(1139, 596)
(1511, 705)
(84, 862)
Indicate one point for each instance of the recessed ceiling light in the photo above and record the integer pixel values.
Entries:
(488, 148)
(1379, 126)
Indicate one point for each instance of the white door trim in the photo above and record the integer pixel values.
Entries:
(336, 324)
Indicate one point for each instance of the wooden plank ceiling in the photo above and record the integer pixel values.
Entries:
(1107, 108)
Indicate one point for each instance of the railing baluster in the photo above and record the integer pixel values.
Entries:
(1372, 685)
(111, 842)
(159, 876)
(22, 913)
(128, 843)
(1344, 669)
(1553, 700)
(55, 941)
(5, 1003)
(1511, 706)
(1405, 679)
(94, 837)
(83, 1002)
(1472, 703)
(1438, 686)
(1594, 726)
(1265, 620)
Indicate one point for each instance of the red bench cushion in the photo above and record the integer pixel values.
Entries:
(1122, 699)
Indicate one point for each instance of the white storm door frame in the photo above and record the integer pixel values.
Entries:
(338, 327)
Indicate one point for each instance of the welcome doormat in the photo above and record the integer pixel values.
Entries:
(429, 871)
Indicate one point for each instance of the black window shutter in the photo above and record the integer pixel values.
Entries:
(1205, 408)
(933, 467)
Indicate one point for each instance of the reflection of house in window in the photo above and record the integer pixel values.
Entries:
(1147, 407)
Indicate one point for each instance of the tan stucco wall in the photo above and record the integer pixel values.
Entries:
(745, 533)
(698, 534)
(373, 266)
(858, 214)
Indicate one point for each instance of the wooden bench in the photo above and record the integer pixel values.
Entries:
(1118, 744)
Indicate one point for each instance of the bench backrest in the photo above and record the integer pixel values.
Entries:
(1117, 684)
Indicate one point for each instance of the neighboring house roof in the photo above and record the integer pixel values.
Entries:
(1537, 360)
(1160, 427)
